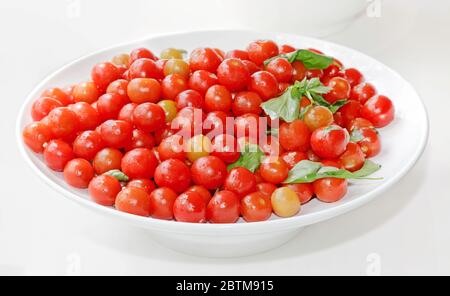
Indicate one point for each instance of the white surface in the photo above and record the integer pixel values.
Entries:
(403, 232)
(403, 143)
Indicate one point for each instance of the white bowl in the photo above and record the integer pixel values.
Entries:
(403, 142)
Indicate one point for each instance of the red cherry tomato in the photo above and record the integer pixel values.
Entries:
(134, 201)
(233, 74)
(285, 48)
(204, 193)
(85, 92)
(172, 147)
(266, 188)
(36, 135)
(330, 141)
(224, 207)
(240, 181)
(188, 122)
(293, 157)
(353, 76)
(304, 192)
(57, 154)
(294, 136)
(225, 147)
(215, 123)
(340, 90)
(145, 184)
(261, 50)
(190, 207)
(370, 142)
(103, 74)
(144, 68)
(161, 203)
(330, 189)
(174, 174)
(189, 98)
(218, 98)
(251, 67)
(106, 160)
(42, 107)
(299, 71)
(78, 173)
(88, 144)
(237, 54)
(265, 84)
(209, 171)
(348, 112)
(119, 87)
(270, 145)
(104, 189)
(141, 53)
(353, 157)
(362, 92)
(359, 123)
(126, 113)
(379, 110)
(247, 125)
(205, 59)
(246, 102)
(141, 139)
(274, 170)
(172, 85)
(143, 90)
(63, 122)
(256, 207)
(59, 95)
(202, 80)
(149, 117)
(109, 105)
(88, 116)
(139, 163)
(281, 69)
(116, 133)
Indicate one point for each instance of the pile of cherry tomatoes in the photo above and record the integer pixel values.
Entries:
(118, 134)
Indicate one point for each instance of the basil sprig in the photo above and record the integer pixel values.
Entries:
(119, 175)
(310, 59)
(250, 158)
(308, 171)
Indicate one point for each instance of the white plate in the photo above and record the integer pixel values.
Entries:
(403, 142)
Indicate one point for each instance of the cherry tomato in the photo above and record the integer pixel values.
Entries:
(353, 158)
(126, 113)
(294, 136)
(353, 76)
(42, 107)
(103, 74)
(145, 184)
(256, 207)
(218, 98)
(172, 53)
(209, 171)
(144, 68)
(143, 90)
(36, 135)
(293, 157)
(261, 50)
(141, 53)
(237, 54)
(139, 163)
(116, 133)
(172, 147)
(370, 143)
(379, 110)
(240, 181)
(299, 71)
(251, 67)
(331, 72)
(190, 207)
(349, 111)
(197, 147)
(330, 141)
(59, 95)
(281, 69)
(170, 109)
(141, 139)
(304, 191)
(134, 201)
(224, 207)
(172, 85)
(57, 154)
(104, 189)
(225, 147)
(233, 74)
(177, 66)
(215, 123)
(121, 60)
(78, 173)
(189, 98)
(88, 144)
(88, 116)
(285, 202)
(314, 73)
(188, 122)
(285, 48)
(109, 105)
(106, 160)
(363, 92)
(85, 92)
(246, 102)
(63, 122)
(247, 125)
(270, 145)
(274, 170)
(317, 117)
(119, 87)
(266, 188)
(332, 163)
(149, 117)
(174, 174)
(205, 59)
(330, 189)
(265, 84)
(202, 80)
(340, 89)
(161, 202)
(359, 123)
(205, 194)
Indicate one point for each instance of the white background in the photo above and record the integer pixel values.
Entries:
(405, 231)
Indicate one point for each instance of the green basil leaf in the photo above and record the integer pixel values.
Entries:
(303, 172)
(337, 105)
(310, 59)
(250, 158)
(285, 106)
(119, 175)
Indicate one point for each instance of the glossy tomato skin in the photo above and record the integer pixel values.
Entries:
(189, 98)
(63, 122)
(318, 116)
(116, 133)
(144, 68)
(240, 181)
(330, 189)
(141, 53)
(247, 125)
(237, 54)
(329, 142)
(285, 202)
(87, 144)
(161, 203)
(233, 74)
(56, 154)
(261, 50)
(103, 74)
(149, 117)
(281, 69)
(270, 145)
(293, 157)
(103, 190)
(348, 112)
(274, 170)
(174, 174)
(202, 80)
(42, 107)
(359, 123)
(204, 193)
(106, 160)
(305, 192)
(172, 85)
(141, 139)
(215, 124)
(126, 113)
(205, 59)
(256, 207)
(134, 201)
(286, 48)
(190, 207)
(299, 71)
(139, 163)
(88, 116)
(209, 171)
(340, 90)
(379, 110)
(119, 87)
(145, 184)
(59, 95)
(353, 76)
(144, 90)
(265, 84)
(266, 188)
(85, 92)
(353, 157)
(188, 122)
(78, 173)
(246, 102)
(109, 105)
(172, 147)
(224, 207)
(36, 135)
(370, 143)
(295, 136)
(363, 92)
(218, 98)
(225, 147)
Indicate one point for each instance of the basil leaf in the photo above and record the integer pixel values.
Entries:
(307, 172)
(320, 101)
(337, 105)
(285, 106)
(119, 175)
(310, 59)
(250, 158)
